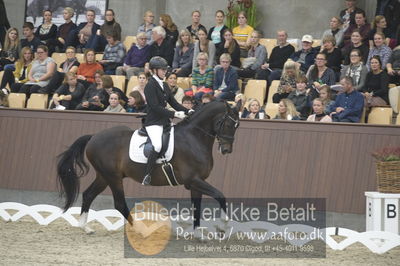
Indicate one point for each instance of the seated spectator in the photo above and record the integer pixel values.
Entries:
(335, 30)
(202, 78)
(380, 49)
(94, 97)
(87, 69)
(376, 85)
(348, 105)
(69, 94)
(177, 92)
(187, 102)
(280, 54)
(147, 26)
(207, 98)
(348, 15)
(142, 79)
(114, 104)
(356, 70)
(10, 52)
(69, 65)
(393, 66)
(183, 57)
(136, 58)
(356, 43)
(161, 46)
(84, 35)
(109, 28)
(299, 97)
(257, 55)
(30, 40)
(379, 25)
(204, 45)
(196, 26)
(319, 112)
(333, 55)
(19, 77)
(255, 111)
(287, 84)
(326, 97)
(170, 28)
(231, 47)
(287, 111)
(361, 25)
(108, 86)
(242, 33)
(305, 56)
(319, 74)
(216, 33)
(47, 32)
(114, 54)
(65, 31)
(225, 80)
(42, 70)
(136, 103)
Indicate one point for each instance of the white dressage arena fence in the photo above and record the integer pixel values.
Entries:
(387, 240)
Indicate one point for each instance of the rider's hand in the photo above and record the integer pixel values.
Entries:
(180, 115)
(191, 111)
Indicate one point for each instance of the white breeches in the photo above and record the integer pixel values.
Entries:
(155, 133)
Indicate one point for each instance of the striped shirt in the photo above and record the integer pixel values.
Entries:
(206, 79)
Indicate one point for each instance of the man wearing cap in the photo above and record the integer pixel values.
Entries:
(305, 57)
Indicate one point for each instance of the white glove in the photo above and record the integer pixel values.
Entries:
(180, 115)
(191, 111)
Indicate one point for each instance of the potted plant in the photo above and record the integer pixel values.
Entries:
(388, 169)
(234, 7)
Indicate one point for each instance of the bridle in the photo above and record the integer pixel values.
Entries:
(220, 124)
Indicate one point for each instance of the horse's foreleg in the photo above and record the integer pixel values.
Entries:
(98, 186)
(117, 189)
(201, 186)
(196, 202)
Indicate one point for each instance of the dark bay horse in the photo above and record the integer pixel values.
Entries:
(108, 151)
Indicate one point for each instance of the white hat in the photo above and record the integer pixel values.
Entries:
(307, 38)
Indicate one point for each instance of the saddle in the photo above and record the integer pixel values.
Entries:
(148, 146)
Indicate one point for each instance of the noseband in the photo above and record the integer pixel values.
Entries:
(220, 124)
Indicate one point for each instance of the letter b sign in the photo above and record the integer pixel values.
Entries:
(391, 211)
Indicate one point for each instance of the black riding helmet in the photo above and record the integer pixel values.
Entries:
(157, 62)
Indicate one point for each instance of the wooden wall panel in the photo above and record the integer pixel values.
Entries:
(270, 158)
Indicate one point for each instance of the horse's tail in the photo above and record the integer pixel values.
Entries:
(71, 166)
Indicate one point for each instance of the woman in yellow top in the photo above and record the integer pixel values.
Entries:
(19, 77)
(242, 33)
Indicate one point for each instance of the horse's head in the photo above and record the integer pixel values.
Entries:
(225, 128)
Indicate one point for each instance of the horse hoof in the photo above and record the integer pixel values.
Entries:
(88, 230)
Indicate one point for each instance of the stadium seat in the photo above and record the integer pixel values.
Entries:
(183, 83)
(380, 115)
(272, 90)
(59, 58)
(271, 109)
(37, 101)
(80, 57)
(316, 43)
(17, 100)
(256, 89)
(119, 81)
(296, 43)
(394, 98)
(398, 120)
(269, 44)
(133, 82)
(128, 42)
(99, 57)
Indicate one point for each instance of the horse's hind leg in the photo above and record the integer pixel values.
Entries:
(117, 189)
(98, 186)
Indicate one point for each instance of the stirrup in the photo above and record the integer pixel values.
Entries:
(146, 180)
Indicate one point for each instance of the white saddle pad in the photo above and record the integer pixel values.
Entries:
(136, 149)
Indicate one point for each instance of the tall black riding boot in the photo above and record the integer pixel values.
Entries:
(151, 161)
